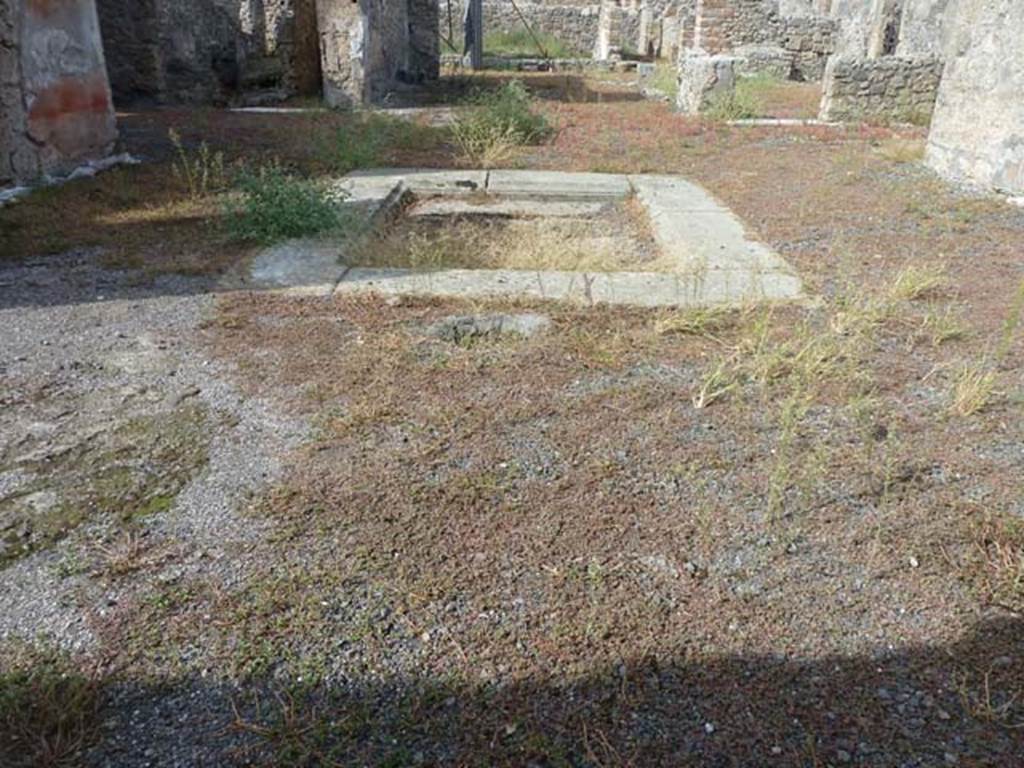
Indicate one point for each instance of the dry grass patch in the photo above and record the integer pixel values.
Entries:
(616, 241)
(943, 324)
(901, 150)
(974, 389)
(701, 321)
(916, 282)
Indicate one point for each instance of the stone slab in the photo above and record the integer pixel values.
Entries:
(705, 236)
(310, 267)
(640, 289)
(499, 206)
(420, 181)
(558, 185)
(716, 261)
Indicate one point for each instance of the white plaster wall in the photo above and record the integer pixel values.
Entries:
(977, 132)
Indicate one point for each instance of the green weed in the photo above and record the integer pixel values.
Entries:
(494, 123)
(202, 172)
(520, 42)
(276, 205)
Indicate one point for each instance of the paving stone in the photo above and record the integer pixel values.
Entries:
(642, 289)
(500, 206)
(301, 266)
(558, 185)
(717, 262)
(703, 234)
(378, 184)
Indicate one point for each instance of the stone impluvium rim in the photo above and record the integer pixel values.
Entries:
(717, 263)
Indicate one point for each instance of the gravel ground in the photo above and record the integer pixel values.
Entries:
(87, 353)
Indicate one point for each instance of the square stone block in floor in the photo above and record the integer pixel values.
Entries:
(703, 254)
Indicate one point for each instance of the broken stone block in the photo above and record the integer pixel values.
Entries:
(460, 328)
(703, 78)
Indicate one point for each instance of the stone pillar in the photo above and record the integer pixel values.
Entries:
(702, 79)
(474, 33)
(977, 132)
(668, 46)
(602, 45)
(645, 32)
(343, 29)
(57, 111)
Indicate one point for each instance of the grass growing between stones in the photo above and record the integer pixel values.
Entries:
(117, 478)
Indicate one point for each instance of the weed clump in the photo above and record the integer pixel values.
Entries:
(494, 123)
(48, 710)
(918, 282)
(743, 102)
(366, 140)
(276, 205)
(201, 172)
(973, 390)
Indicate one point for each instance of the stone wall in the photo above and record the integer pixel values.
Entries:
(977, 133)
(889, 88)
(575, 24)
(57, 111)
(207, 50)
(753, 26)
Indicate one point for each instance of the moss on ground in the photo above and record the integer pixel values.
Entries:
(119, 478)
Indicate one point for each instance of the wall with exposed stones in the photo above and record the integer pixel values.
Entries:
(888, 88)
(747, 28)
(56, 105)
(977, 132)
(208, 50)
(574, 24)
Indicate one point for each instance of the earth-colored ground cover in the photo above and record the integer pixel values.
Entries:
(749, 537)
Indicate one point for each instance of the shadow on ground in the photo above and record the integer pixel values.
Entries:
(928, 706)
